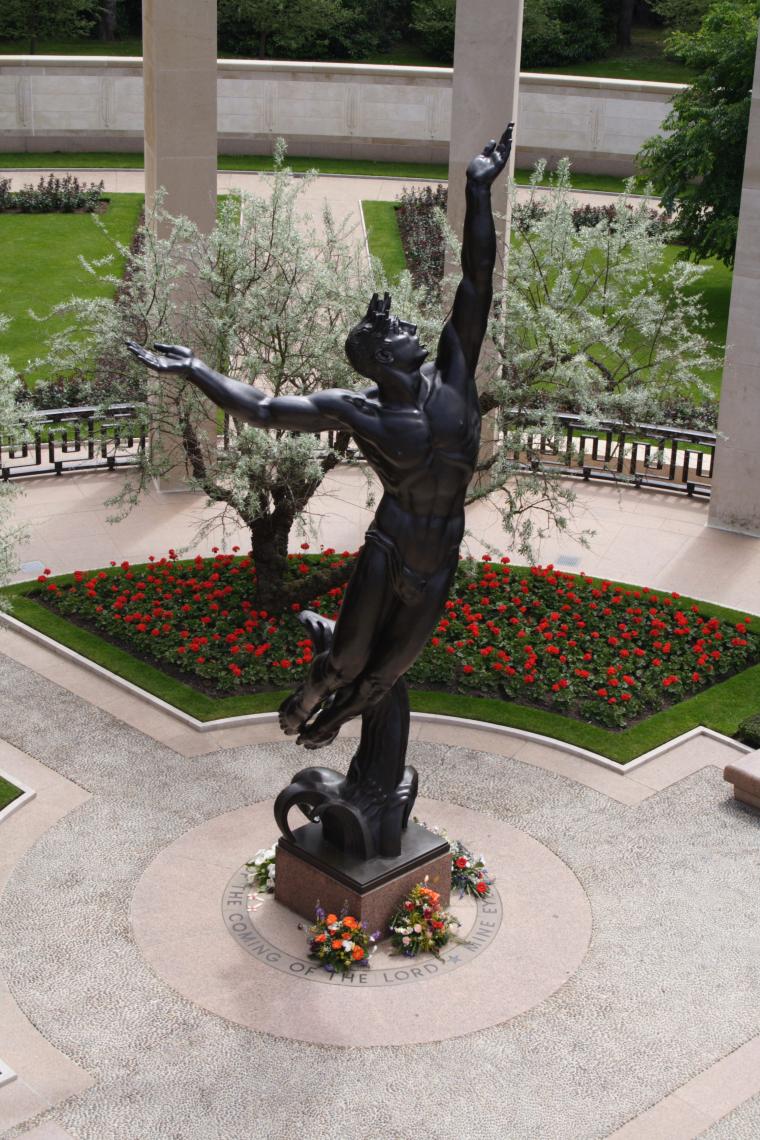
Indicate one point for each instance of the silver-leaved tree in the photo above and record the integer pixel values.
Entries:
(10, 428)
(597, 317)
(596, 321)
(267, 297)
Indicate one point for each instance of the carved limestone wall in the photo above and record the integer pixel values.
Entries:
(342, 110)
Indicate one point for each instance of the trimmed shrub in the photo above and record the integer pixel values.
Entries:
(52, 195)
(422, 236)
(749, 731)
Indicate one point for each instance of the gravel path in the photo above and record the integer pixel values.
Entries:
(662, 994)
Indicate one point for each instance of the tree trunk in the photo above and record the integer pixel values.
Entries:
(107, 21)
(274, 592)
(625, 23)
(269, 543)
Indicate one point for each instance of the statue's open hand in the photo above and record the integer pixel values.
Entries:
(174, 358)
(488, 165)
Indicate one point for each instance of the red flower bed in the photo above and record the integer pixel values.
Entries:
(586, 648)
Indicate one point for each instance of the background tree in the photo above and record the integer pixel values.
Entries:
(35, 20)
(268, 297)
(681, 15)
(432, 22)
(369, 27)
(592, 321)
(288, 29)
(10, 424)
(555, 32)
(107, 20)
(697, 166)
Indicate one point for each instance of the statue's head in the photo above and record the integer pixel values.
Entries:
(381, 346)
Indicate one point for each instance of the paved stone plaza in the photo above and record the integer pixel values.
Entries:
(659, 996)
(129, 1012)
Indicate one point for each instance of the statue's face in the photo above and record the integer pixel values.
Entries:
(381, 346)
(400, 347)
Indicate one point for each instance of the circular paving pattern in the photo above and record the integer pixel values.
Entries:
(268, 932)
(501, 971)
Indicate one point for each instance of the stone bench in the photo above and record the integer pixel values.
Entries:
(744, 774)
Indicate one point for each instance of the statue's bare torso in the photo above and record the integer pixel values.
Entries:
(419, 429)
(424, 456)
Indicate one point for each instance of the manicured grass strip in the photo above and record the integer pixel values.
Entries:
(722, 707)
(8, 793)
(628, 66)
(63, 160)
(124, 160)
(384, 238)
(437, 171)
(127, 46)
(40, 266)
(124, 665)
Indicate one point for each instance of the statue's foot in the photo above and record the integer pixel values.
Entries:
(316, 735)
(292, 714)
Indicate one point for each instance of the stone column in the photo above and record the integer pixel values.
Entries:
(487, 45)
(180, 83)
(735, 500)
(484, 97)
(179, 76)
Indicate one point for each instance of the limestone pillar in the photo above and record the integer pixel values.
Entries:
(180, 83)
(179, 76)
(484, 97)
(735, 501)
(487, 45)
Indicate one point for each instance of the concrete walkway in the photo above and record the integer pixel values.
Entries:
(629, 1046)
(648, 537)
(656, 1034)
(342, 193)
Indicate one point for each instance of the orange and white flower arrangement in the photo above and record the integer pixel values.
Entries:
(340, 942)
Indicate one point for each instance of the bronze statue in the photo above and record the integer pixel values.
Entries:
(418, 427)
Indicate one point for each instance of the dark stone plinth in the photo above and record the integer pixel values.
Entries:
(310, 871)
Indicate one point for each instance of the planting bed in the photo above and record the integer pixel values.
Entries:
(593, 650)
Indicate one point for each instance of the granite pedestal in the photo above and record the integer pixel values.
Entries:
(311, 872)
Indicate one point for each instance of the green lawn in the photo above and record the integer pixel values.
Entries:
(132, 46)
(722, 707)
(124, 160)
(384, 238)
(40, 266)
(645, 59)
(715, 290)
(8, 793)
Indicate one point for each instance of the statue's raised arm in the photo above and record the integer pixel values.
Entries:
(465, 331)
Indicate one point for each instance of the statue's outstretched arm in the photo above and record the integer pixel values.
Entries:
(472, 302)
(318, 412)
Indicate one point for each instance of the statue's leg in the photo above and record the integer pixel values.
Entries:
(365, 604)
(396, 646)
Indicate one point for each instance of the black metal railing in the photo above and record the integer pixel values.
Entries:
(73, 439)
(649, 455)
